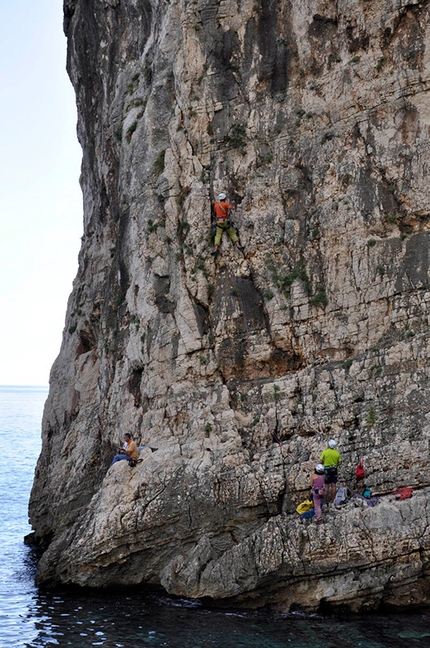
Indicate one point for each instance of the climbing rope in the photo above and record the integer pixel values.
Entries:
(246, 324)
(255, 379)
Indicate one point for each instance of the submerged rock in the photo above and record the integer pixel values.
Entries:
(315, 118)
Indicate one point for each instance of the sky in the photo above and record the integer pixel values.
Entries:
(40, 197)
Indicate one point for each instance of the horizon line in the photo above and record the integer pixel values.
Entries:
(9, 386)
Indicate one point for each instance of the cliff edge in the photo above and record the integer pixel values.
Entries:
(314, 116)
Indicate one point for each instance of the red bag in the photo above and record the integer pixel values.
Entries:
(405, 492)
(359, 471)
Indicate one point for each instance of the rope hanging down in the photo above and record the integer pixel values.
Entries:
(255, 379)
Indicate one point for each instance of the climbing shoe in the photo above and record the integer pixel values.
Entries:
(215, 252)
(240, 247)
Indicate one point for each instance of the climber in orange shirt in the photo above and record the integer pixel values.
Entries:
(222, 214)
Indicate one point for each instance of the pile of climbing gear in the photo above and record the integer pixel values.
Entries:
(306, 509)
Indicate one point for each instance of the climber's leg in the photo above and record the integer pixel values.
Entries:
(218, 236)
(232, 234)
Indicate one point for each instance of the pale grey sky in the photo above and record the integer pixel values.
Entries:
(40, 197)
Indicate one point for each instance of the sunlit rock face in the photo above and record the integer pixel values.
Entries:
(315, 117)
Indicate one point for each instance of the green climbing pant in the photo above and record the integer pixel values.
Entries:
(221, 227)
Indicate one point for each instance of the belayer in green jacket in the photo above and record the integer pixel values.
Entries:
(331, 460)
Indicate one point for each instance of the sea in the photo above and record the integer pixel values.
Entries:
(33, 617)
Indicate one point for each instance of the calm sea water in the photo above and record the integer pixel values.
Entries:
(33, 618)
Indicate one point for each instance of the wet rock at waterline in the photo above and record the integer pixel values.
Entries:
(315, 118)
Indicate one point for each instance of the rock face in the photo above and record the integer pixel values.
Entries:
(315, 117)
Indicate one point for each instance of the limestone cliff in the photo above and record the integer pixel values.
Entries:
(314, 115)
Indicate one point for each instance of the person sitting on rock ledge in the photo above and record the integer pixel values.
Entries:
(222, 214)
(331, 460)
(129, 451)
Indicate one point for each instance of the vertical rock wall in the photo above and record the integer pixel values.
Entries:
(315, 117)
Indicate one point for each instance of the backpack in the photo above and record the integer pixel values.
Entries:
(304, 506)
(341, 496)
(359, 471)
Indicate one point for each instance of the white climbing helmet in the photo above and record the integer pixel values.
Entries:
(332, 443)
(319, 469)
(222, 196)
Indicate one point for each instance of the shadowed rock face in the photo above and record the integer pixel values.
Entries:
(315, 118)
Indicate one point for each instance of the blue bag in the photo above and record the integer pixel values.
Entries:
(307, 514)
